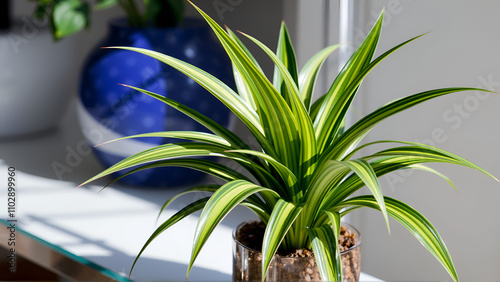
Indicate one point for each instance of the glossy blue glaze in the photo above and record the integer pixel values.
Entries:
(128, 112)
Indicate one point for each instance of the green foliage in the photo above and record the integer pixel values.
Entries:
(300, 180)
(68, 17)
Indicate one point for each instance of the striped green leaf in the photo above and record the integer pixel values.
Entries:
(200, 118)
(299, 176)
(286, 56)
(187, 135)
(281, 219)
(197, 189)
(309, 74)
(340, 108)
(209, 167)
(381, 166)
(331, 187)
(313, 112)
(334, 223)
(231, 99)
(324, 245)
(189, 209)
(366, 173)
(352, 88)
(227, 197)
(277, 120)
(163, 152)
(284, 172)
(243, 47)
(308, 140)
(426, 151)
(243, 88)
(337, 100)
(253, 201)
(335, 219)
(212, 84)
(327, 177)
(261, 212)
(355, 133)
(188, 149)
(415, 222)
(431, 170)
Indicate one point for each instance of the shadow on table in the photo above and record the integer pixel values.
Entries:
(146, 269)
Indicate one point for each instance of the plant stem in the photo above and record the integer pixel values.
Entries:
(134, 18)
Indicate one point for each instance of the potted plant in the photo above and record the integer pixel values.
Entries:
(68, 17)
(300, 179)
(27, 108)
(107, 110)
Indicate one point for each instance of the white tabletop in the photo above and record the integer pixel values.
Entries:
(110, 227)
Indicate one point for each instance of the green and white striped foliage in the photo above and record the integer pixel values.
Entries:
(300, 180)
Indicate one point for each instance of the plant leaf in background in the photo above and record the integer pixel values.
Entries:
(300, 179)
(69, 17)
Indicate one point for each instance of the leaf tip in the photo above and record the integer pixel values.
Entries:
(112, 47)
(85, 183)
(196, 7)
(188, 271)
(100, 144)
(496, 179)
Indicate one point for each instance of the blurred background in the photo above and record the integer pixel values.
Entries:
(460, 50)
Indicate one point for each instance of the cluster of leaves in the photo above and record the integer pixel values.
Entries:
(68, 17)
(301, 179)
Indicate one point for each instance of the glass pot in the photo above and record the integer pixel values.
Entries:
(247, 263)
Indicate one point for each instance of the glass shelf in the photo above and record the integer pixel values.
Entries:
(34, 259)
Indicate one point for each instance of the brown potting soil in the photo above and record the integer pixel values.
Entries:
(251, 235)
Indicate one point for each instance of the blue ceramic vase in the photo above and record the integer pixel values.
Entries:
(109, 110)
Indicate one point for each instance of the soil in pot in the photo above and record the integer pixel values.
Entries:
(299, 265)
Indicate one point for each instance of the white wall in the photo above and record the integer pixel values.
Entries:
(461, 50)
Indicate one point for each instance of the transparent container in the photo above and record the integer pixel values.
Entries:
(247, 263)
